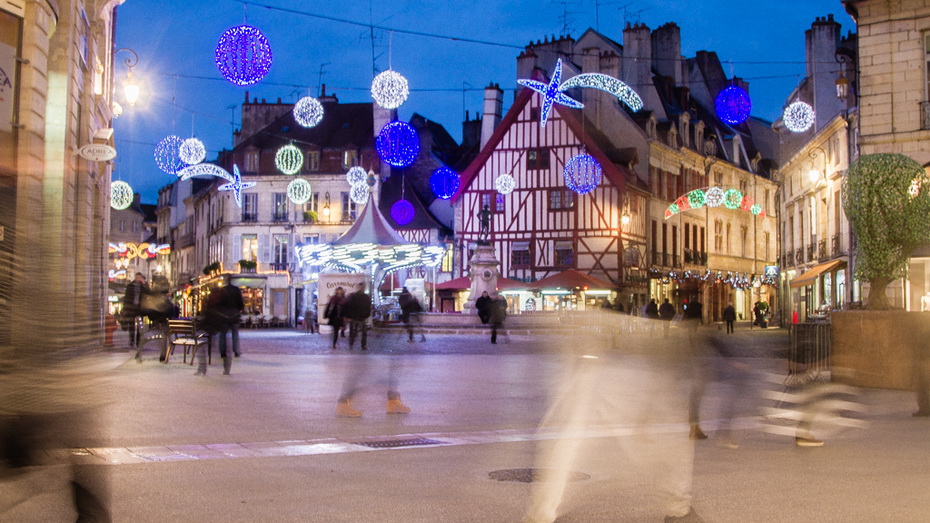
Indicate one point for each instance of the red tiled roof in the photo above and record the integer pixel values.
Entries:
(571, 279)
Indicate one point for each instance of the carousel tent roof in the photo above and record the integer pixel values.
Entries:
(371, 227)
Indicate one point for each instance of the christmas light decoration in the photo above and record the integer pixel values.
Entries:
(131, 250)
(682, 203)
(582, 173)
(389, 89)
(444, 182)
(733, 105)
(798, 117)
(120, 195)
(356, 176)
(204, 169)
(237, 185)
(914, 190)
(360, 193)
(755, 209)
(192, 151)
(314, 253)
(714, 197)
(505, 184)
(243, 55)
(289, 159)
(747, 203)
(433, 255)
(167, 154)
(696, 199)
(608, 84)
(551, 93)
(308, 111)
(402, 211)
(398, 144)
(299, 191)
(732, 199)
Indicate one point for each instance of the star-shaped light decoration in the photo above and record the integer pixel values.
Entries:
(237, 185)
(552, 93)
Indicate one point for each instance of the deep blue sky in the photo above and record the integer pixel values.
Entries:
(183, 90)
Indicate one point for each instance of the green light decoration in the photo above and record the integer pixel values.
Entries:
(755, 209)
(696, 198)
(732, 198)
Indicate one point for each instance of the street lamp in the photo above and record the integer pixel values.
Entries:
(326, 210)
(814, 175)
(130, 87)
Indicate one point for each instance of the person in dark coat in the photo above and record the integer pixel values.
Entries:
(729, 316)
(497, 311)
(132, 307)
(482, 305)
(358, 309)
(666, 314)
(410, 313)
(223, 312)
(333, 313)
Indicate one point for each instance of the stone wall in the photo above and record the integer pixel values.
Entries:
(876, 349)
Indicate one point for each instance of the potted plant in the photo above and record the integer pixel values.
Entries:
(310, 216)
(247, 265)
(211, 268)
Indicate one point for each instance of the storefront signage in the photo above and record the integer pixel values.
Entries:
(326, 288)
(771, 271)
(97, 152)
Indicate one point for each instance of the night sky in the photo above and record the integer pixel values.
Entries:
(183, 92)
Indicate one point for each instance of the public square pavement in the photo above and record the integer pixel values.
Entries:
(263, 444)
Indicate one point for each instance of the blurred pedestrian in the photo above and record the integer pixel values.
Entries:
(333, 313)
(224, 308)
(666, 314)
(358, 309)
(310, 318)
(410, 313)
(693, 319)
(729, 316)
(497, 312)
(132, 307)
(482, 305)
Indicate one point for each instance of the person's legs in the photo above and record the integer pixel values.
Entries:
(353, 333)
(222, 343)
(363, 327)
(335, 333)
(494, 333)
(234, 328)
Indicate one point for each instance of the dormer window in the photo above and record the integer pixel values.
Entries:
(672, 138)
(651, 128)
(683, 121)
(699, 133)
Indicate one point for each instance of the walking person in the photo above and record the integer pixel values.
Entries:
(693, 319)
(358, 309)
(729, 316)
(410, 313)
(333, 313)
(497, 311)
(482, 305)
(132, 307)
(666, 314)
(224, 308)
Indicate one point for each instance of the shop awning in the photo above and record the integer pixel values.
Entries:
(464, 283)
(571, 279)
(809, 277)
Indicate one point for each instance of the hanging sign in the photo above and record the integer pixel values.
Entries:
(97, 152)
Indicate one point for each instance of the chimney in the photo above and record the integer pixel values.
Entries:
(637, 56)
(493, 102)
(821, 42)
(471, 131)
(666, 52)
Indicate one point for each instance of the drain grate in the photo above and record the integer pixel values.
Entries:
(533, 475)
(399, 442)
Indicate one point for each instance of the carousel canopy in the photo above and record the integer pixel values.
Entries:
(371, 227)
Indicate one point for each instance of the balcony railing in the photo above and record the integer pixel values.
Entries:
(822, 250)
(799, 256)
(278, 267)
(925, 115)
(811, 251)
(249, 217)
(838, 245)
(279, 217)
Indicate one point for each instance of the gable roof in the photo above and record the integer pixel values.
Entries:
(343, 124)
(571, 279)
(391, 191)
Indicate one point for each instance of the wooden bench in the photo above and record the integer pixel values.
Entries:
(187, 334)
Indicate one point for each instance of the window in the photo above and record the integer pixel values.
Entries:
(537, 159)
(744, 239)
(280, 252)
(718, 236)
(135, 226)
(687, 236)
(250, 247)
(447, 261)
(311, 239)
(313, 161)
(313, 204)
(765, 246)
(927, 60)
(250, 207)
(520, 255)
(280, 207)
(122, 226)
(765, 200)
(564, 254)
(350, 158)
(561, 199)
(251, 161)
(349, 208)
(494, 201)
(729, 244)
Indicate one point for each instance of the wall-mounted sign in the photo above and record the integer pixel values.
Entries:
(97, 152)
(771, 271)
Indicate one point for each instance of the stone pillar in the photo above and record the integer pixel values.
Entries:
(484, 272)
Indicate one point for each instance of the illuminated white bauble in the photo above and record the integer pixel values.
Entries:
(714, 197)
(299, 191)
(308, 111)
(798, 117)
(356, 176)
(289, 159)
(360, 193)
(505, 184)
(120, 195)
(389, 89)
(192, 151)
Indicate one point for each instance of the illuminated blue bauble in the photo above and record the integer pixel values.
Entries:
(733, 105)
(445, 183)
(168, 154)
(398, 144)
(243, 55)
(402, 212)
(582, 173)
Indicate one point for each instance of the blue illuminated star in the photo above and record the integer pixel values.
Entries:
(237, 185)
(551, 93)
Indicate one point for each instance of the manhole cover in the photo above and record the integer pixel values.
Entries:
(533, 475)
(394, 443)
